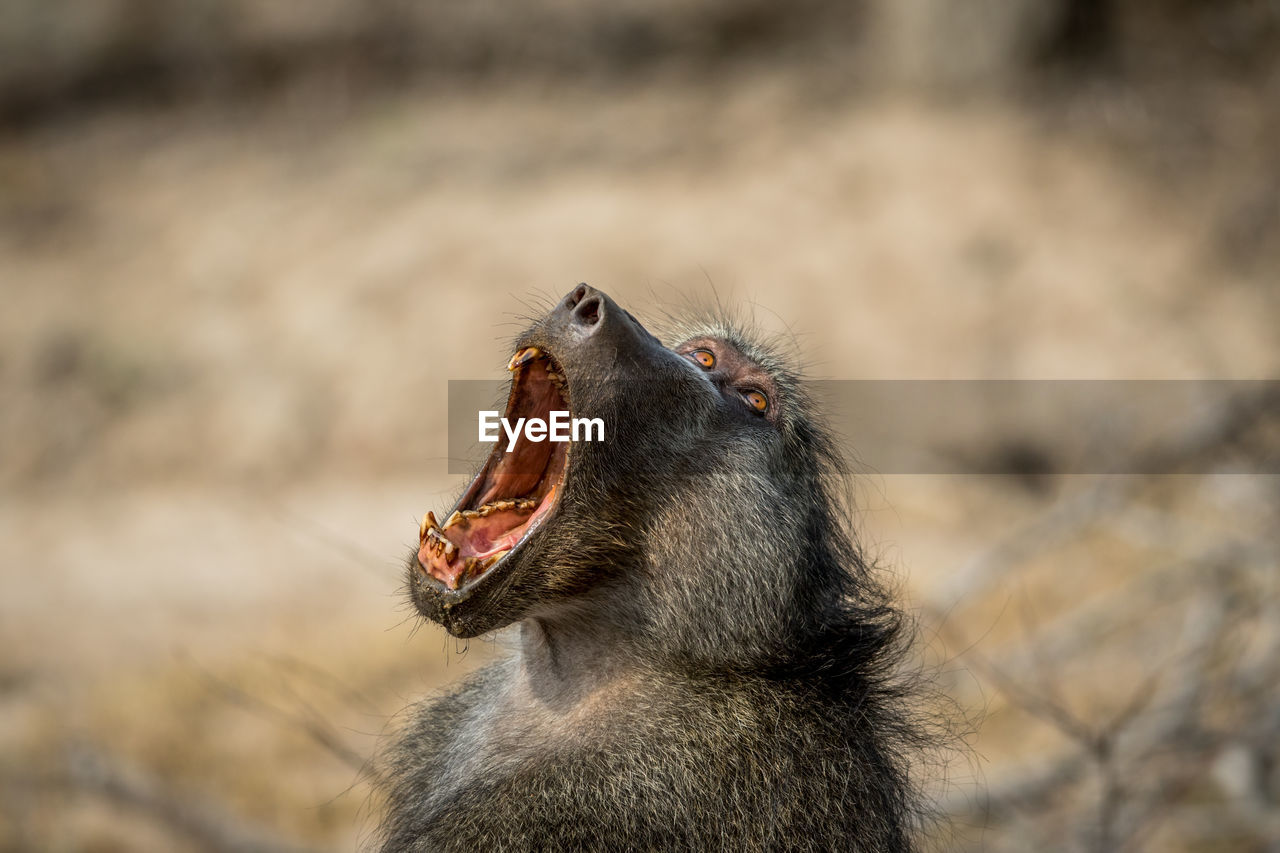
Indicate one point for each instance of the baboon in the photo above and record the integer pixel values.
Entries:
(704, 660)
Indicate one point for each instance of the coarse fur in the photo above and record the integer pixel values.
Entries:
(704, 662)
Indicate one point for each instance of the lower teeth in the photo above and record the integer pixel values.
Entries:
(476, 567)
(518, 505)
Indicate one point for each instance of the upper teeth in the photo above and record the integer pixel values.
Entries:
(428, 523)
(523, 356)
(527, 354)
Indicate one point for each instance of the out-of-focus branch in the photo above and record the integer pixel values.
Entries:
(1068, 518)
(190, 817)
(305, 719)
(1163, 745)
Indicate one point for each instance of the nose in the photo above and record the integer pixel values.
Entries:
(587, 316)
(585, 306)
(586, 313)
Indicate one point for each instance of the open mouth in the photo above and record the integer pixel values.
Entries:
(512, 493)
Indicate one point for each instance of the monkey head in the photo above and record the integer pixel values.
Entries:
(704, 487)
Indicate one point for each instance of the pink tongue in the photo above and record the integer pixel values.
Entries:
(487, 536)
(484, 537)
(439, 568)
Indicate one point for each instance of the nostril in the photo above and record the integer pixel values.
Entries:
(588, 311)
(571, 301)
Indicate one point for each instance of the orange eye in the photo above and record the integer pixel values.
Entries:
(756, 400)
(704, 358)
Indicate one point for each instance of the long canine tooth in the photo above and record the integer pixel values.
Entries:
(456, 518)
(523, 356)
(428, 523)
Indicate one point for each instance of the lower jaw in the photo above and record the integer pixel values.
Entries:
(441, 555)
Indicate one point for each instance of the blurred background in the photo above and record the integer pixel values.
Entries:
(244, 246)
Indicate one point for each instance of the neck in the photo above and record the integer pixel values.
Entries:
(567, 657)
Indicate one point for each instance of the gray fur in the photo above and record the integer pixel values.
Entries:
(703, 660)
